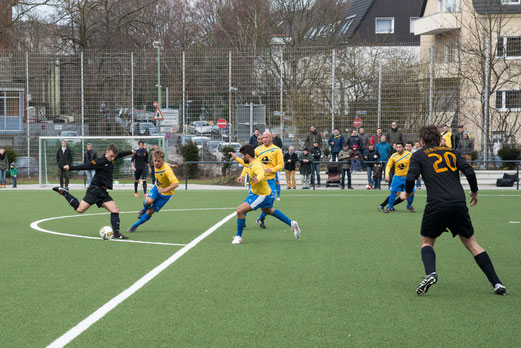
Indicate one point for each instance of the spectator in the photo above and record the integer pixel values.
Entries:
(458, 136)
(394, 135)
(443, 142)
(375, 139)
(90, 155)
(371, 156)
(466, 147)
(306, 159)
(353, 140)
(277, 141)
(64, 158)
(364, 140)
(290, 162)
(355, 159)
(14, 173)
(344, 158)
(336, 142)
(4, 164)
(383, 148)
(254, 137)
(316, 152)
(377, 175)
(151, 163)
(446, 135)
(313, 137)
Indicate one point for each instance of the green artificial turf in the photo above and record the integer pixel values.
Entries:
(349, 281)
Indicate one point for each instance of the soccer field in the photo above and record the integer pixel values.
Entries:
(349, 281)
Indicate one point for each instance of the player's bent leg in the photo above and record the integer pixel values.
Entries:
(472, 245)
(241, 221)
(142, 219)
(114, 218)
(429, 263)
(83, 207)
(279, 215)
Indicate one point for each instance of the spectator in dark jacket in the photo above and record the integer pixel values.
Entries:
(344, 157)
(254, 137)
(458, 136)
(394, 135)
(354, 139)
(375, 139)
(277, 141)
(371, 155)
(4, 166)
(316, 152)
(466, 147)
(336, 142)
(305, 160)
(290, 162)
(64, 158)
(313, 137)
(383, 148)
(90, 155)
(355, 159)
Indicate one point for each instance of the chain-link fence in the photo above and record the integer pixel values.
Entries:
(108, 93)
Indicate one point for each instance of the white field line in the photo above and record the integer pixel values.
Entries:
(107, 307)
(382, 194)
(35, 226)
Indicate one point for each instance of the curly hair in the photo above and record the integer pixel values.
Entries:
(430, 135)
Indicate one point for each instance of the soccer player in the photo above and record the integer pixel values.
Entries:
(139, 166)
(260, 195)
(446, 207)
(271, 157)
(163, 190)
(400, 161)
(97, 191)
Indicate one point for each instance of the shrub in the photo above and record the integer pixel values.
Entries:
(474, 155)
(509, 153)
(190, 152)
(11, 154)
(225, 169)
(326, 152)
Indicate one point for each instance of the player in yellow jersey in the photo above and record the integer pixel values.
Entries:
(260, 195)
(163, 190)
(271, 157)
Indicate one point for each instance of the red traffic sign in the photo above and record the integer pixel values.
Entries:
(357, 123)
(158, 115)
(43, 127)
(221, 123)
(156, 104)
(168, 135)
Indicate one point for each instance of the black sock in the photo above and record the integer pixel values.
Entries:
(385, 202)
(397, 201)
(135, 186)
(484, 262)
(144, 187)
(429, 259)
(72, 200)
(114, 221)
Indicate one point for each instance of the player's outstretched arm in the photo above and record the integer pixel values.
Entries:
(125, 153)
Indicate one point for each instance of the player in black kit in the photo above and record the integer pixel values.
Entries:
(446, 207)
(97, 191)
(139, 166)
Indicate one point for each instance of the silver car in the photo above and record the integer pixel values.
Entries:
(200, 127)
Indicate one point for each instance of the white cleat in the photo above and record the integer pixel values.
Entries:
(295, 229)
(278, 198)
(237, 240)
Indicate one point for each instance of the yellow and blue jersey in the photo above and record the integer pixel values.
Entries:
(255, 168)
(165, 177)
(400, 163)
(271, 157)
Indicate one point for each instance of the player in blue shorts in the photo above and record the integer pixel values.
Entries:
(163, 190)
(260, 195)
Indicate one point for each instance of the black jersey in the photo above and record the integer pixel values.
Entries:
(439, 167)
(140, 159)
(104, 170)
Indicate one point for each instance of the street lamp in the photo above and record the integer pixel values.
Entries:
(155, 44)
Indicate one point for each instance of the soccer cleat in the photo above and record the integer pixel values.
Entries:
(278, 198)
(260, 222)
(411, 209)
(387, 211)
(145, 195)
(426, 283)
(237, 240)
(500, 289)
(60, 190)
(295, 229)
(136, 195)
(119, 236)
(140, 213)
(132, 229)
(381, 207)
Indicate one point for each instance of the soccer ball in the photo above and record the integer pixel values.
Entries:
(368, 187)
(116, 182)
(106, 232)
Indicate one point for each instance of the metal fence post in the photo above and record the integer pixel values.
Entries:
(186, 175)
(230, 97)
(517, 167)
(333, 65)
(379, 94)
(281, 90)
(431, 82)
(132, 92)
(28, 122)
(184, 93)
(485, 96)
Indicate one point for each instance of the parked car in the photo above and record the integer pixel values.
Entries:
(200, 127)
(185, 139)
(65, 135)
(236, 148)
(144, 128)
(23, 164)
(212, 146)
(201, 141)
(221, 133)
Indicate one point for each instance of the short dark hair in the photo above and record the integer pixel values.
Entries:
(400, 143)
(460, 127)
(113, 148)
(247, 150)
(409, 142)
(159, 153)
(141, 142)
(430, 135)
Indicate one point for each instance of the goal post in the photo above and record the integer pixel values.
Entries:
(49, 145)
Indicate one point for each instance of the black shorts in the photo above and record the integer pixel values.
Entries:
(437, 219)
(97, 195)
(140, 173)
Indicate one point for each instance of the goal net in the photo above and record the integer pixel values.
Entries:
(48, 171)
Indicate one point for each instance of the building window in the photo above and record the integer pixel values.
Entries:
(411, 24)
(509, 47)
(451, 53)
(510, 2)
(384, 25)
(11, 110)
(508, 100)
(449, 5)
